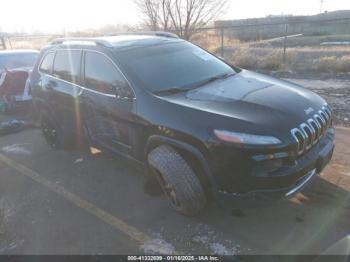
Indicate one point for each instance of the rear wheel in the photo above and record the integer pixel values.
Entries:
(178, 181)
(59, 139)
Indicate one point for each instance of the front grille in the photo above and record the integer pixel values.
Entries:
(311, 131)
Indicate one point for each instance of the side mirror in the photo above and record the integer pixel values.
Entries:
(122, 91)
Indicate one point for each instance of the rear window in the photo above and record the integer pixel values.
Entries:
(173, 65)
(46, 64)
(67, 65)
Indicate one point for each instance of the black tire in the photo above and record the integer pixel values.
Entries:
(52, 132)
(178, 181)
(63, 140)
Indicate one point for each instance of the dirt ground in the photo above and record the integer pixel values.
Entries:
(336, 93)
(64, 202)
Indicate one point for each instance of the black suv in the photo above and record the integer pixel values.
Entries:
(200, 125)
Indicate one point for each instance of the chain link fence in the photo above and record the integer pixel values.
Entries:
(294, 46)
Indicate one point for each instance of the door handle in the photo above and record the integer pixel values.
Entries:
(51, 85)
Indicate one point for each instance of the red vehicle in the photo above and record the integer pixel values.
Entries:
(15, 66)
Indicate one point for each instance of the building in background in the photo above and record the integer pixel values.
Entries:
(328, 23)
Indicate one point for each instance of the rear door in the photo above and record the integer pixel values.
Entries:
(108, 103)
(64, 88)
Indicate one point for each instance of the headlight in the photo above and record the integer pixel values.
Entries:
(247, 139)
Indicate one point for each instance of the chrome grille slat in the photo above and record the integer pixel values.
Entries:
(308, 140)
(313, 125)
(300, 140)
(320, 121)
(327, 112)
(311, 131)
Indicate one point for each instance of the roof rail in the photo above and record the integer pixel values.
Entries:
(154, 33)
(81, 40)
(104, 42)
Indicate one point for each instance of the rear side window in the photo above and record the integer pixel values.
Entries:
(47, 62)
(67, 65)
(101, 74)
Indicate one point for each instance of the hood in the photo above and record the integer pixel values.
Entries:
(254, 98)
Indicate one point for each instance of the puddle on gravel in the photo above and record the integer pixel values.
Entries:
(18, 149)
(214, 241)
(157, 245)
(200, 239)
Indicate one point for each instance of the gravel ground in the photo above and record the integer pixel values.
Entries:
(336, 93)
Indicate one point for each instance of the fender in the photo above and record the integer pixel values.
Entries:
(155, 140)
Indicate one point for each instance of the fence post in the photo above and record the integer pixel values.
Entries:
(285, 43)
(3, 43)
(222, 43)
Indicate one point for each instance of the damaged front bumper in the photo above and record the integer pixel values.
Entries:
(304, 171)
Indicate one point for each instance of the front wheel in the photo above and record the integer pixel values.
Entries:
(178, 181)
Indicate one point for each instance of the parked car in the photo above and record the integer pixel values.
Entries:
(15, 66)
(204, 128)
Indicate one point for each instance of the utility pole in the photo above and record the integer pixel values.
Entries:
(321, 5)
(222, 43)
(285, 42)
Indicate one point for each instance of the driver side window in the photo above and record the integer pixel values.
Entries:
(101, 75)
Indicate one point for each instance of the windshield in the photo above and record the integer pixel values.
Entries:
(17, 60)
(175, 65)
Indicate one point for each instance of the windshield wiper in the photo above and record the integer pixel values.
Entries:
(172, 90)
(214, 78)
(175, 90)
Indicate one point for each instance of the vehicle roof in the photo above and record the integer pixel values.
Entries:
(18, 51)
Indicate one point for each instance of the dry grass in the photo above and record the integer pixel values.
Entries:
(329, 60)
(269, 59)
(28, 43)
(332, 64)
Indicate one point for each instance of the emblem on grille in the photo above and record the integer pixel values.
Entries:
(309, 110)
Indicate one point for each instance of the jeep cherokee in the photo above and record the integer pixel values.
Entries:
(201, 126)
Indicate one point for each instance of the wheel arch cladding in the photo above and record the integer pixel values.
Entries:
(192, 155)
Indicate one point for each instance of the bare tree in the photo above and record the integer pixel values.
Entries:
(183, 17)
(156, 15)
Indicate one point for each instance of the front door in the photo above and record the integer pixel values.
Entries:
(108, 103)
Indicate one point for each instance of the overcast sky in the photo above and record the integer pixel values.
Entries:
(54, 16)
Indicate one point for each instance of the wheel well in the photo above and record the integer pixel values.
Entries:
(72, 140)
(188, 154)
(196, 166)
